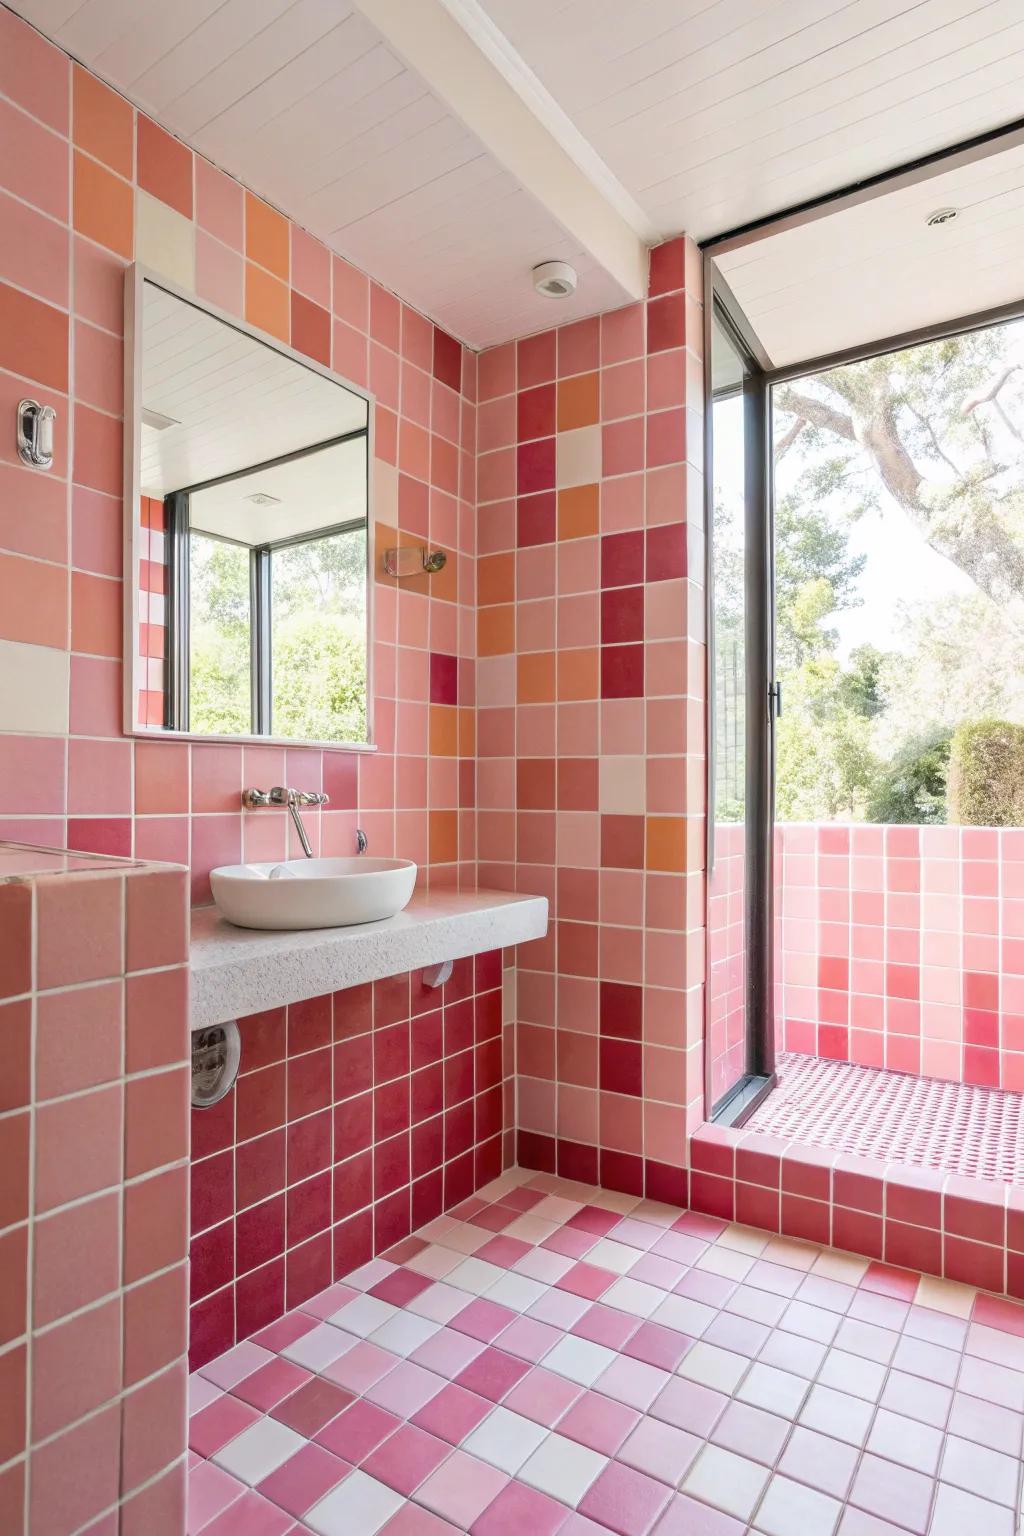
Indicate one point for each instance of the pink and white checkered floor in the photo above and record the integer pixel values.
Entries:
(554, 1358)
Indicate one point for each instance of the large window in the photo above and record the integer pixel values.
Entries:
(899, 585)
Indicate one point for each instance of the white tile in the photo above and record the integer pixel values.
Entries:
(259, 1450)
(910, 1443)
(765, 1386)
(684, 1315)
(622, 787)
(711, 1366)
(404, 1332)
(435, 1261)
(364, 1315)
(235, 1364)
(359, 1506)
(790, 1509)
(541, 1264)
(608, 1254)
(847, 1268)
(440, 1302)
(633, 1296)
(731, 1483)
(563, 1469)
(164, 240)
(319, 1347)
(465, 1238)
(475, 1275)
(505, 1439)
(578, 456)
(516, 1291)
(852, 1373)
(727, 1262)
(531, 1228)
(976, 1469)
(201, 1392)
(957, 1513)
(836, 1414)
(579, 1359)
(743, 1240)
(554, 1208)
(370, 1274)
(34, 688)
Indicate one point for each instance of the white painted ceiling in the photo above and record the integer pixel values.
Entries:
(877, 269)
(233, 400)
(318, 490)
(678, 114)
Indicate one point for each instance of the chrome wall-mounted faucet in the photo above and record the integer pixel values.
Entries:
(254, 799)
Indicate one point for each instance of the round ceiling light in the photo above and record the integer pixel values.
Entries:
(942, 216)
(555, 279)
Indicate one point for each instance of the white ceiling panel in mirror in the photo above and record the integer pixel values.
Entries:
(246, 512)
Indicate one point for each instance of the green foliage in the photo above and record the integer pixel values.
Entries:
(911, 786)
(986, 774)
(320, 678)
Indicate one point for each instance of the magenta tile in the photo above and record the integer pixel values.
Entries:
(303, 1479)
(594, 1220)
(452, 1414)
(361, 1367)
(503, 1251)
(210, 1489)
(624, 1500)
(252, 1515)
(657, 1345)
(461, 1489)
(604, 1325)
(272, 1382)
(212, 1427)
(598, 1422)
(406, 1459)
(357, 1431)
(400, 1287)
(278, 1335)
(586, 1280)
(569, 1241)
(447, 1352)
(492, 1374)
(482, 1319)
(518, 1509)
(542, 1396)
(529, 1339)
(411, 1520)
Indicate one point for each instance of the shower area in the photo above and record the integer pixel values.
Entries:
(866, 780)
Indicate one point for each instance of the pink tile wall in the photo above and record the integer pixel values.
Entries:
(590, 722)
(356, 1118)
(94, 1200)
(903, 947)
(726, 1001)
(76, 204)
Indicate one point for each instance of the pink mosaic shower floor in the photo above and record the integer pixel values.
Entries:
(978, 1132)
(551, 1358)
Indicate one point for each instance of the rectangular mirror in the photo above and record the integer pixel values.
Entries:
(247, 496)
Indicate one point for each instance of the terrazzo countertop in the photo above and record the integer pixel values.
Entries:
(237, 971)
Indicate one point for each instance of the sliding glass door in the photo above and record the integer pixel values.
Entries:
(738, 1039)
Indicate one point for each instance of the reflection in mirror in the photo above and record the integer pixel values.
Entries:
(252, 534)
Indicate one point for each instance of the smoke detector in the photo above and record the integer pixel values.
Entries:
(941, 216)
(555, 279)
(262, 499)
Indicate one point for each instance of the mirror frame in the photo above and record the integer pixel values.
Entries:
(135, 276)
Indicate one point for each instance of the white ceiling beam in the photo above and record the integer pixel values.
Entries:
(473, 68)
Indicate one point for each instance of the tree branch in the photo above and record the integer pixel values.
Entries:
(815, 412)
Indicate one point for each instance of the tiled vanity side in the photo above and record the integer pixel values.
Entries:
(93, 1201)
(356, 1117)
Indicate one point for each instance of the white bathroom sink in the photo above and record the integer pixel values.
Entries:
(313, 893)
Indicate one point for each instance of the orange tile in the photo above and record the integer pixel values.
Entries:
(164, 166)
(535, 677)
(467, 732)
(103, 206)
(578, 512)
(443, 730)
(102, 122)
(496, 630)
(443, 836)
(666, 843)
(577, 674)
(578, 401)
(266, 236)
(33, 602)
(33, 339)
(96, 618)
(495, 579)
(266, 302)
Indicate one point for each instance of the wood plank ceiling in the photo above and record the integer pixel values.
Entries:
(699, 116)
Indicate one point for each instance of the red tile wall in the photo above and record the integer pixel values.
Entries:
(591, 722)
(903, 947)
(94, 1198)
(76, 221)
(356, 1118)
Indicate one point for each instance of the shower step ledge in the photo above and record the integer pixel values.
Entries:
(238, 971)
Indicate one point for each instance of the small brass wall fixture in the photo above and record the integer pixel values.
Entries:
(413, 559)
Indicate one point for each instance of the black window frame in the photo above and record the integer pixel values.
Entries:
(177, 615)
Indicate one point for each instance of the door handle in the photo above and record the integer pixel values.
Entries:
(775, 699)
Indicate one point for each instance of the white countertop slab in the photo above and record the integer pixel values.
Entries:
(237, 971)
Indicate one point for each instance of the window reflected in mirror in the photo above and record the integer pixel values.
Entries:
(252, 571)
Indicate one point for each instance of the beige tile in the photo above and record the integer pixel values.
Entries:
(165, 240)
(578, 457)
(945, 1296)
(623, 786)
(33, 688)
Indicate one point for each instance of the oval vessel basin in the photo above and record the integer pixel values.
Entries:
(313, 893)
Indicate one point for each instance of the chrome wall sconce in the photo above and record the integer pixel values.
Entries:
(35, 433)
(412, 560)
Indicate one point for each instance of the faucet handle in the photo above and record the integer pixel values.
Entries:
(281, 795)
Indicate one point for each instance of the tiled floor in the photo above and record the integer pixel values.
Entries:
(554, 1358)
(978, 1132)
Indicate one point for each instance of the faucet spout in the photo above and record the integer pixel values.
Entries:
(252, 799)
